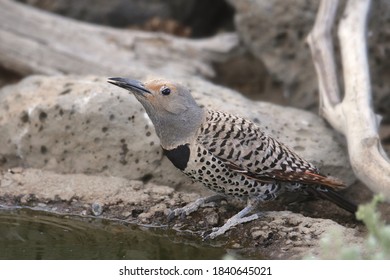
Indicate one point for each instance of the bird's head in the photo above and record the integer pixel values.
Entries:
(164, 97)
(169, 105)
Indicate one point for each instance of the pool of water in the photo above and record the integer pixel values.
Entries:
(31, 234)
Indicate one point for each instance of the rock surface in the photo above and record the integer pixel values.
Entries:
(85, 125)
(275, 32)
(276, 235)
(201, 18)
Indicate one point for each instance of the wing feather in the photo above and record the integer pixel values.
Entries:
(244, 148)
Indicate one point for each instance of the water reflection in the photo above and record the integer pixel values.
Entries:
(28, 234)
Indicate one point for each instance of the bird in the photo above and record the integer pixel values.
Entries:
(229, 154)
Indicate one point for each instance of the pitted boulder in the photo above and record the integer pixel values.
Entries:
(85, 125)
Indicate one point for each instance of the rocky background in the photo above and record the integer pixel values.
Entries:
(70, 142)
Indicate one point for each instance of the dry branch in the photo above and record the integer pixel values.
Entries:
(353, 116)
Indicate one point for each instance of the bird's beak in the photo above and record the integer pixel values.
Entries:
(131, 85)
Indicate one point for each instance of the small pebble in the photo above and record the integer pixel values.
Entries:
(304, 230)
(294, 236)
(288, 229)
(23, 199)
(97, 209)
(212, 219)
(126, 214)
(258, 233)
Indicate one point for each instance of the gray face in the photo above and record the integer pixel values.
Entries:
(171, 107)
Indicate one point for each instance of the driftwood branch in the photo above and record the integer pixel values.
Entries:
(353, 116)
(37, 42)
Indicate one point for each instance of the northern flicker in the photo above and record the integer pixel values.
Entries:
(228, 154)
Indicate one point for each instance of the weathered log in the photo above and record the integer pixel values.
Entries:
(37, 42)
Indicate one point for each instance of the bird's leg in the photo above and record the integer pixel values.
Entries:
(237, 219)
(192, 207)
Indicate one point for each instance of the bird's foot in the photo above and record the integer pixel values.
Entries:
(192, 207)
(240, 218)
(232, 222)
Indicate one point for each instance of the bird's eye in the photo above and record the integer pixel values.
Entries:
(166, 91)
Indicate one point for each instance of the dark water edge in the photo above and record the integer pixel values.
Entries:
(34, 235)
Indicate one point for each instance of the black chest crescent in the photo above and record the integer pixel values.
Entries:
(179, 156)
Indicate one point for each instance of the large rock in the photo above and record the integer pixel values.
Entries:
(275, 32)
(85, 125)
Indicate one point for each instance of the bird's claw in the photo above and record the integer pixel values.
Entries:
(232, 222)
(178, 212)
(192, 207)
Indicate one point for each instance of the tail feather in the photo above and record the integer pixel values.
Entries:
(334, 197)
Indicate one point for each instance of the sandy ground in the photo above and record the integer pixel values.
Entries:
(285, 231)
